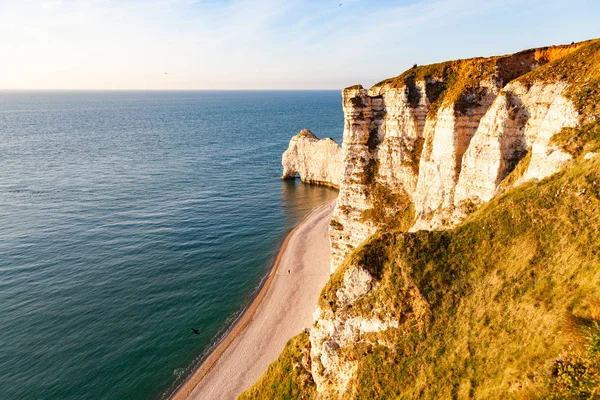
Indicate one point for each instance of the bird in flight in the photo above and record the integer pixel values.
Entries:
(340, 4)
(196, 331)
(166, 73)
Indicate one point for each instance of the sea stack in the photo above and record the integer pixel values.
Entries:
(317, 161)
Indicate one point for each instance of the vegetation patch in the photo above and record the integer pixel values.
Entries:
(370, 172)
(354, 87)
(357, 102)
(370, 255)
(577, 141)
(548, 54)
(414, 155)
(373, 140)
(390, 210)
(469, 99)
(289, 377)
(306, 133)
(452, 82)
(576, 374)
(413, 93)
(434, 89)
(468, 206)
(516, 172)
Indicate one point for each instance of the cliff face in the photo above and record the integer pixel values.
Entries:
(519, 123)
(441, 139)
(423, 151)
(465, 235)
(316, 161)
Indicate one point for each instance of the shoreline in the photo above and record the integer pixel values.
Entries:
(243, 321)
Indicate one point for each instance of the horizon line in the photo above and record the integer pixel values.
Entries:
(162, 90)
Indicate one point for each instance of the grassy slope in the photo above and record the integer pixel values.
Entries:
(288, 377)
(500, 290)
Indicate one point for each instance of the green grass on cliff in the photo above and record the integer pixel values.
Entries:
(288, 378)
(581, 70)
(489, 307)
(389, 210)
(503, 306)
(517, 172)
(577, 141)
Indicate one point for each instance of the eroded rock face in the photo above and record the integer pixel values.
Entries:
(331, 336)
(451, 155)
(315, 160)
(335, 332)
(522, 120)
(344, 326)
(362, 118)
(383, 138)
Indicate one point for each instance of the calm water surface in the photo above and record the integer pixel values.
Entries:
(128, 217)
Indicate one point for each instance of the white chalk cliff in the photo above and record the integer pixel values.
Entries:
(317, 161)
(428, 148)
(445, 140)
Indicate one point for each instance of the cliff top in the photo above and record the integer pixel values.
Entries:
(307, 133)
(460, 81)
(480, 65)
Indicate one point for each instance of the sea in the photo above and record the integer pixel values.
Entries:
(128, 218)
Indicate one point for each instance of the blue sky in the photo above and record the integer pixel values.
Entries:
(265, 44)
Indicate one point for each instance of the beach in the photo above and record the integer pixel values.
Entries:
(282, 309)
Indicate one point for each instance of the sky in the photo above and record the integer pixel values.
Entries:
(265, 44)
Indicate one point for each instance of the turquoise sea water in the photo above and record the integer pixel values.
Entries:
(128, 217)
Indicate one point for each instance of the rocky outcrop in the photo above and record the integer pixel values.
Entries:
(316, 160)
(436, 142)
(335, 333)
(332, 337)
